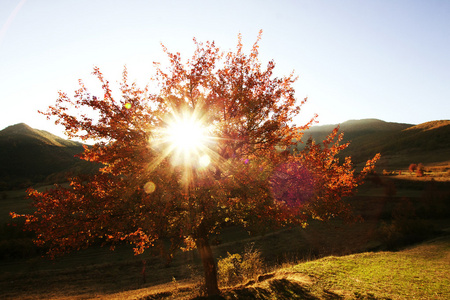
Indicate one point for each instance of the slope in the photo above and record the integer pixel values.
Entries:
(399, 144)
(29, 155)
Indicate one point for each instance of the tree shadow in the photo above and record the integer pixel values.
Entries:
(158, 296)
(280, 289)
(249, 293)
(285, 289)
(328, 295)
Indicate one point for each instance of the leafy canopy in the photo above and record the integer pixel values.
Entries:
(210, 146)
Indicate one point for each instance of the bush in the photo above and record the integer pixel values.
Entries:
(229, 269)
(235, 269)
(412, 168)
(252, 264)
(420, 170)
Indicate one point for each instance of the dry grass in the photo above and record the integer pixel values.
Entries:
(429, 125)
(101, 274)
(432, 171)
(420, 272)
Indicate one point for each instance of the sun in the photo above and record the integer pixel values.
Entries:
(187, 140)
(186, 135)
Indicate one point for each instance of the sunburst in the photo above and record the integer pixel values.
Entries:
(185, 139)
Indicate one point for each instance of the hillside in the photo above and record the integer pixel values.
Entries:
(417, 272)
(24, 133)
(29, 156)
(399, 144)
(361, 126)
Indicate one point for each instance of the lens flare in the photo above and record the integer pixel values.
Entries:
(292, 184)
(204, 161)
(149, 187)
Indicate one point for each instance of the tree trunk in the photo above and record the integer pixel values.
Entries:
(209, 265)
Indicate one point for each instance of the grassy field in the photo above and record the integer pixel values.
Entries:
(338, 265)
(420, 272)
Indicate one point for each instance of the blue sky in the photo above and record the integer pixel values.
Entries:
(383, 59)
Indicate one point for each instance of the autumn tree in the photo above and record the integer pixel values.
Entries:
(210, 145)
(412, 168)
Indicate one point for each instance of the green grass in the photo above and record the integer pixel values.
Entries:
(422, 272)
(99, 272)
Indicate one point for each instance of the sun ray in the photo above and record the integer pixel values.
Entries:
(185, 140)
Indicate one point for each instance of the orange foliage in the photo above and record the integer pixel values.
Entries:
(250, 181)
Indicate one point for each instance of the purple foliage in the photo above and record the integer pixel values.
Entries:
(292, 184)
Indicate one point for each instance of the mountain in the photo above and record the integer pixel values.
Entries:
(29, 156)
(355, 128)
(399, 144)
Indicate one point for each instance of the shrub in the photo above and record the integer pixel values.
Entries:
(235, 268)
(252, 263)
(412, 168)
(420, 170)
(229, 269)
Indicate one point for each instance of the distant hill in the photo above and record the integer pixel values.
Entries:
(25, 133)
(29, 156)
(399, 144)
(355, 128)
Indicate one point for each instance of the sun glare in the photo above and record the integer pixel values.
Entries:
(186, 135)
(187, 139)
(204, 161)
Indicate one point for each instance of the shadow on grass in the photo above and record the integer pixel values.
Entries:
(285, 289)
(281, 289)
(158, 296)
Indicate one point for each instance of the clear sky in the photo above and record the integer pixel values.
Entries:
(385, 59)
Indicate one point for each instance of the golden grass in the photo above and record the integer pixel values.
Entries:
(429, 125)
(98, 273)
(420, 272)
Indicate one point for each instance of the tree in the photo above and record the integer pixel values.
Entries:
(209, 147)
(412, 168)
(419, 170)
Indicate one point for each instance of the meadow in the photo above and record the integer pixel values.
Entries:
(399, 251)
